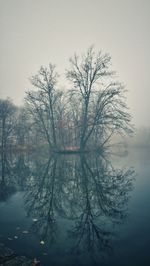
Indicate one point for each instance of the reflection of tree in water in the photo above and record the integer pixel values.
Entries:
(21, 170)
(40, 199)
(14, 171)
(7, 184)
(45, 197)
(103, 193)
(87, 191)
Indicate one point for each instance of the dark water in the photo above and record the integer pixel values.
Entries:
(77, 210)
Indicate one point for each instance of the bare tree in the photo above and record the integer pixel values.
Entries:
(100, 100)
(7, 121)
(42, 103)
(23, 127)
(91, 111)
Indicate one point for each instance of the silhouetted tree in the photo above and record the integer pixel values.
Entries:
(44, 102)
(86, 115)
(23, 127)
(100, 99)
(7, 121)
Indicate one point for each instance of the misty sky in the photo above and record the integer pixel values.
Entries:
(36, 32)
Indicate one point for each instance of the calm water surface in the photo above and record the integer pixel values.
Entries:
(77, 210)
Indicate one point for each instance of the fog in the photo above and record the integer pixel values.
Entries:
(36, 32)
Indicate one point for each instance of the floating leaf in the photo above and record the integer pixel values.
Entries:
(42, 242)
(34, 220)
(36, 262)
(25, 232)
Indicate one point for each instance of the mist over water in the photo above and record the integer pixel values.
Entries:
(73, 209)
(74, 132)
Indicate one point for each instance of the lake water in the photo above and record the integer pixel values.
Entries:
(77, 210)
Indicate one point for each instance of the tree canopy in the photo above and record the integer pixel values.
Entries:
(83, 116)
(89, 112)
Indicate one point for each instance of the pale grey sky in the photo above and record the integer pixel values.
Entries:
(36, 32)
